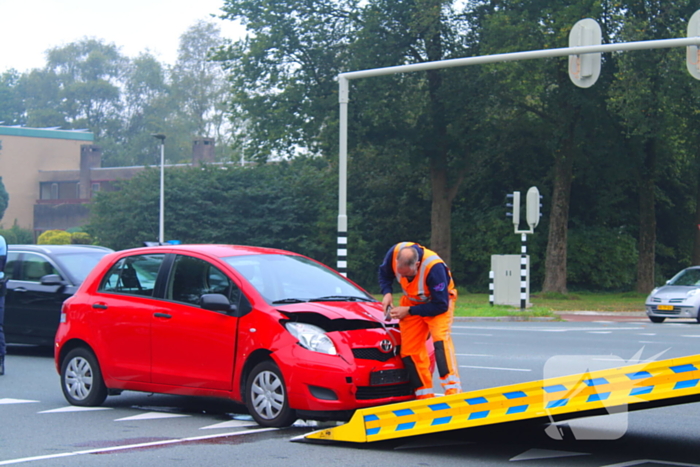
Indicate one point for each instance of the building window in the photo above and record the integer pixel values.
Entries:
(54, 191)
(95, 189)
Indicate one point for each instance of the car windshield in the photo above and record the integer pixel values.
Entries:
(79, 265)
(686, 277)
(292, 279)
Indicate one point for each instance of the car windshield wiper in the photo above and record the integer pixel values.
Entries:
(290, 300)
(341, 298)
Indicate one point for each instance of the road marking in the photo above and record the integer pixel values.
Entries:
(471, 334)
(646, 333)
(543, 329)
(534, 454)
(132, 446)
(15, 401)
(690, 335)
(230, 424)
(151, 416)
(599, 332)
(493, 368)
(72, 408)
(650, 462)
(473, 355)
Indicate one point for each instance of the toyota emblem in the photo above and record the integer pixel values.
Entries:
(386, 346)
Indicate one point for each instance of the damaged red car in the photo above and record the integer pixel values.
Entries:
(277, 331)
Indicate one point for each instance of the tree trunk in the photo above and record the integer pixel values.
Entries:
(555, 261)
(647, 220)
(441, 215)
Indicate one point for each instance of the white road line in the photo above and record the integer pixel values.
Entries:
(473, 355)
(131, 446)
(72, 408)
(647, 342)
(151, 416)
(230, 424)
(642, 462)
(470, 334)
(690, 335)
(493, 368)
(646, 333)
(599, 332)
(543, 329)
(15, 401)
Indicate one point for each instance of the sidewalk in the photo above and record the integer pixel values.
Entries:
(622, 316)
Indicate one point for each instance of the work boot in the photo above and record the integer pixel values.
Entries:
(2, 365)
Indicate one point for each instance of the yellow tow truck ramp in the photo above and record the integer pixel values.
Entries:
(634, 387)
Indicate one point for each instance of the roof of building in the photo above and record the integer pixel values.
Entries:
(80, 135)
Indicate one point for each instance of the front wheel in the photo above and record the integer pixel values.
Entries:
(267, 398)
(656, 319)
(81, 379)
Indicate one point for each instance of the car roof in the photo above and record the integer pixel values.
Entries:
(220, 251)
(48, 249)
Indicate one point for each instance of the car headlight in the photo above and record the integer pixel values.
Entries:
(692, 293)
(312, 337)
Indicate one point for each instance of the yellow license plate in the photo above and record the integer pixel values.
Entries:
(665, 307)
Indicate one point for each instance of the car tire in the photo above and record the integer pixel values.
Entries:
(656, 319)
(81, 379)
(267, 397)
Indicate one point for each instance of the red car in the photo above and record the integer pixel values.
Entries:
(279, 332)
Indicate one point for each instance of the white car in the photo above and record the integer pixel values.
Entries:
(679, 298)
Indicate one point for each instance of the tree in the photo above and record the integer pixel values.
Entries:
(11, 105)
(638, 97)
(4, 198)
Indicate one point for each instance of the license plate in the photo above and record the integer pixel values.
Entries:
(665, 307)
(380, 378)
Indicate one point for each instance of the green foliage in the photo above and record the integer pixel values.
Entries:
(16, 235)
(4, 198)
(601, 259)
(54, 237)
(81, 238)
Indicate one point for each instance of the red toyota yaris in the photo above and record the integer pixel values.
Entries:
(277, 331)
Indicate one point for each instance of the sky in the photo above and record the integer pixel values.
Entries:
(29, 27)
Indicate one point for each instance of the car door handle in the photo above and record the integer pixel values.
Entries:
(162, 315)
(19, 289)
(99, 306)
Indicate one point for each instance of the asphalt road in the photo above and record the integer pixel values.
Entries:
(135, 429)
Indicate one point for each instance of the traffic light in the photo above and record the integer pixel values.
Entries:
(514, 206)
(533, 207)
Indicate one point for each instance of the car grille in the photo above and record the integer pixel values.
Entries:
(676, 311)
(372, 353)
(380, 392)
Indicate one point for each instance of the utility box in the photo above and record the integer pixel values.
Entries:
(508, 279)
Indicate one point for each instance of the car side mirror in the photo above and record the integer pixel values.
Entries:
(216, 302)
(52, 279)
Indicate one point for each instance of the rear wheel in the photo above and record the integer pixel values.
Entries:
(657, 319)
(267, 398)
(81, 379)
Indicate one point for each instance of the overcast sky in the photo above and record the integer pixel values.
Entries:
(29, 27)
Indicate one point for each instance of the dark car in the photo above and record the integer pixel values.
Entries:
(39, 279)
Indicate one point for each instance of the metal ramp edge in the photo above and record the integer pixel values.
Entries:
(635, 387)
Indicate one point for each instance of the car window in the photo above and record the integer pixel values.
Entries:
(34, 267)
(288, 277)
(135, 275)
(687, 277)
(80, 264)
(10, 265)
(192, 277)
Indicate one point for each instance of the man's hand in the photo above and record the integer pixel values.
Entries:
(399, 312)
(387, 301)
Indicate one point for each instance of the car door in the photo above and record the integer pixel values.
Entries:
(192, 346)
(34, 309)
(122, 311)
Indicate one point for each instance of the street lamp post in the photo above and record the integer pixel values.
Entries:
(161, 229)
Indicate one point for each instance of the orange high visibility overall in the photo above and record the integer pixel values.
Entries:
(416, 329)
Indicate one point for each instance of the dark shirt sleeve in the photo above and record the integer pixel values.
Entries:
(386, 273)
(437, 282)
